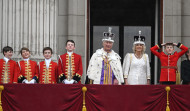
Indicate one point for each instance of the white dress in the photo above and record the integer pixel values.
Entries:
(137, 71)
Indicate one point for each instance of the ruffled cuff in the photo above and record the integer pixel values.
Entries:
(77, 77)
(148, 77)
(125, 76)
(159, 45)
(62, 77)
(21, 78)
(179, 45)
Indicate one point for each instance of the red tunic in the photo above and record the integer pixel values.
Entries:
(8, 72)
(74, 68)
(168, 74)
(28, 70)
(48, 75)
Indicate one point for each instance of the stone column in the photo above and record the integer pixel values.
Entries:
(71, 25)
(28, 23)
(185, 19)
(173, 23)
(76, 28)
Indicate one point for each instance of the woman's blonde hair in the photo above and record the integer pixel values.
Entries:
(143, 50)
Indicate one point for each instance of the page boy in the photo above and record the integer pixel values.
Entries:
(70, 65)
(168, 61)
(48, 69)
(8, 67)
(28, 70)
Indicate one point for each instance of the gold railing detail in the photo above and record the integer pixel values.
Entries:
(168, 90)
(1, 89)
(84, 89)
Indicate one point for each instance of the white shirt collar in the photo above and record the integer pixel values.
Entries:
(70, 53)
(26, 60)
(47, 61)
(6, 59)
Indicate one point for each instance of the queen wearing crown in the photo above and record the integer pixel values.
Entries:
(136, 67)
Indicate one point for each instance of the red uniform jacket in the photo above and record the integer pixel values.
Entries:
(29, 71)
(168, 74)
(48, 75)
(8, 72)
(76, 66)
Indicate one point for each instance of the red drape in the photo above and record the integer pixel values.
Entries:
(42, 97)
(60, 97)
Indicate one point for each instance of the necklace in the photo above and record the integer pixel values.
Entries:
(138, 57)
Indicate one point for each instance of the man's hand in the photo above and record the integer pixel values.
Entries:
(115, 82)
(163, 44)
(175, 44)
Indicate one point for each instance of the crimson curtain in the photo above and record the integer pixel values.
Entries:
(60, 97)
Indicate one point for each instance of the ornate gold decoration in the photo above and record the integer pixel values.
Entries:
(178, 77)
(1, 89)
(158, 46)
(70, 67)
(46, 74)
(78, 75)
(180, 45)
(91, 81)
(28, 72)
(167, 89)
(84, 89)
(6, 73)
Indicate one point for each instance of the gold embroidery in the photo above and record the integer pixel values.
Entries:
(180, 45)
(107, 72)
(70, 67)
(28, 69)
(158, 46)
(46, 77)
(6, 73)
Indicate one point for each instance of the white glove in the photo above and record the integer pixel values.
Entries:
(32, 81)
(72, 81)
(25, 81)
(68, 82)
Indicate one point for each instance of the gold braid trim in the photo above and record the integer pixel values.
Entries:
(180, 45)
(78, 75)
(37, 77)
(167, 88)
(157, 46)
(1, 89)
(84, 89)
(60, 75)
(20, 76)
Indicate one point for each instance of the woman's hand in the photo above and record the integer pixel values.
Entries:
(126, 83)
(148, 81)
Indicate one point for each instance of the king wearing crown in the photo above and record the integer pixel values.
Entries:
(105, 66)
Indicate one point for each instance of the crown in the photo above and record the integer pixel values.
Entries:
(108, 36)
(139, 39)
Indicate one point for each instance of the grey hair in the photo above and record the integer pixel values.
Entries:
(143, 51)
